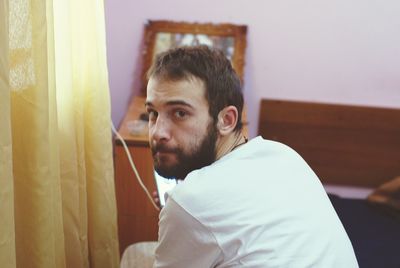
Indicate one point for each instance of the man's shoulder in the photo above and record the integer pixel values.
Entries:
(261, 143)
(259, 149)
(202, 190)
(195, 185)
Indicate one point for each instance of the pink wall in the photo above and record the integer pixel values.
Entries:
(342, 51)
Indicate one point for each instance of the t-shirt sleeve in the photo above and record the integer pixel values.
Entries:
(184, 241)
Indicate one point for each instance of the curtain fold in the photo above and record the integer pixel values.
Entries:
(56, 170)
(7, 234)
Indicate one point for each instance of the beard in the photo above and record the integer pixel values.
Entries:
(204, 154)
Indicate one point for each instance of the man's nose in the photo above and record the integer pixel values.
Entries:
(161, 131)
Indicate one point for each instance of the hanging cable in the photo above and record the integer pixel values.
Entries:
(134, 167)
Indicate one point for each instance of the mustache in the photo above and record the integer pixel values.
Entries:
(162, 148)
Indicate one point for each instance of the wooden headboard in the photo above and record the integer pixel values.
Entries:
(345, 145)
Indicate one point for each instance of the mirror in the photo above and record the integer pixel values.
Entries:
(159, 36)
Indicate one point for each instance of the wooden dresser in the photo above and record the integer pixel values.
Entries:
(137, 218)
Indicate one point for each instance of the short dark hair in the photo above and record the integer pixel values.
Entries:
(223, 87)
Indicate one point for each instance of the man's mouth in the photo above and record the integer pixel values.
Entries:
(163, 152)
(159, 150)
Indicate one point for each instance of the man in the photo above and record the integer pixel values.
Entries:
(241, 203)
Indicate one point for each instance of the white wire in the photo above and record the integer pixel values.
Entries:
(134, 167)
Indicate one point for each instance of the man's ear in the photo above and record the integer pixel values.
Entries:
(227, 120)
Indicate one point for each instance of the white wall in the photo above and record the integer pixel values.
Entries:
(342, 51)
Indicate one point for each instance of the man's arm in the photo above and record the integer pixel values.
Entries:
(184, 241)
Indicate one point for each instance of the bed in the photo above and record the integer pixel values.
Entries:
(353, 150)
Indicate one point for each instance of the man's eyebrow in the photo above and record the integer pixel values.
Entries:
(171, 103)
(179, 102)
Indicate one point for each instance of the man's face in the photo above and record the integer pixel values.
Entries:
(182, 134)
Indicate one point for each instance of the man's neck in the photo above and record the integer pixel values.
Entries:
(227, 144)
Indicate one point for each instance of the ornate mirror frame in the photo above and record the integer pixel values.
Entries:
(153, 27)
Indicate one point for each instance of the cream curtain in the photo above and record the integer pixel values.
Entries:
(57, 198)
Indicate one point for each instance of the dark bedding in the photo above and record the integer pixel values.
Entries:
(374, 231)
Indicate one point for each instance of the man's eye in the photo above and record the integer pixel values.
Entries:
(152, 114)
(180, 114)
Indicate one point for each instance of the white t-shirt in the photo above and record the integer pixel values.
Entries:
(258, 206)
